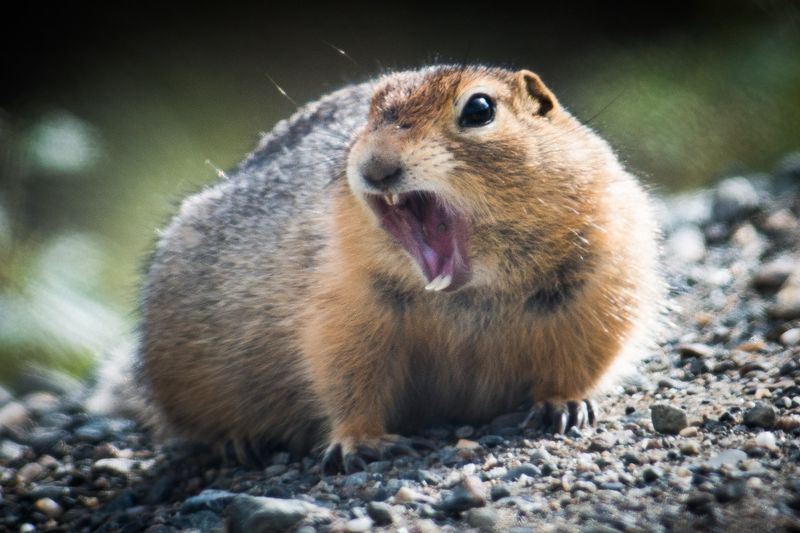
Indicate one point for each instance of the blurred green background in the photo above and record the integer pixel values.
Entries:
(108, 116)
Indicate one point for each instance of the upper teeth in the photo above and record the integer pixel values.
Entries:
(391, 199)
(439, 283)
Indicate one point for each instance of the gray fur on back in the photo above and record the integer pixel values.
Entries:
(236, 257)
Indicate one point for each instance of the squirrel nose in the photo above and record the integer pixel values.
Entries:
(381, 172)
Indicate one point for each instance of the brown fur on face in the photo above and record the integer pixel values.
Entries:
(278, 309)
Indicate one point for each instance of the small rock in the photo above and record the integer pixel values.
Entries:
(690, 447)
(699, 503)
(465, 444)
(695, 349)
(252, 514)
(208, 500)
(687, 244)
(11, 451)
(498, 492)
(490, 441)
(525, 469)
(770, 276)
(730, 491)
(760, 416)
(603, 442)
(114, 465)
(41, 402)
(465, 432)
(380, 512)
(766, 439)
(540, 455)
(668, 419)
(790, 337)
(13, 414)
(690, 431)
(358, 525)
(49, 507)
(651, 474)
(787, 301)
(466, 496)
(30, 472)
(408, 495)
(196, 522)
(762, 393)
(729, 458)
(483, 519)
(734, 199)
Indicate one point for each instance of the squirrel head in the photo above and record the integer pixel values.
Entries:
(477, 173)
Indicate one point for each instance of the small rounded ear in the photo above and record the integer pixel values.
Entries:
(532, 86)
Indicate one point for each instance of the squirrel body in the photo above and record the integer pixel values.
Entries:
(435, 245)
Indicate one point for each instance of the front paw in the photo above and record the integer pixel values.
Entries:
(559, 416)
(350, 456)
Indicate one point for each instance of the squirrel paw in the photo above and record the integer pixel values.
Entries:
(559, 416)
(354, 456)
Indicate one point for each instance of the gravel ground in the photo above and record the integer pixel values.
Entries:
(706, 438)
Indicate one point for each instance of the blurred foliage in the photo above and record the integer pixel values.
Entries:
(104, 136)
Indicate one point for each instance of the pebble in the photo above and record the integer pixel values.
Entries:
(483, 519)
(690, 431)
(760, 416)
(357, 525)
(652, 473)
(30, 472)
(766, 439)
(208, 500)
(734, 199)
(253, 514)
(49, 507)
(13, 414)
(730, 491)
(691, 447)
(466, 444)
(381, 513)
(603, 442)
(770, 276)
(668, 419)
(525, 469)
(465, 496)
(687, 243)
(498, 492)
(464, 432)
(787, 301)
(699, 503)
(408, 495)
(790, 337)
(114, 465)
(729, 458)
(696, 350)
(11, 451)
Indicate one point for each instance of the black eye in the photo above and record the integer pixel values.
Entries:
(478, 111)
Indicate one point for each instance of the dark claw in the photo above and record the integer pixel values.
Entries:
(559, 417)
(369, 453)
(332, 460)
(399, 449)
(421, 444)
(591, 408)
(354, 463)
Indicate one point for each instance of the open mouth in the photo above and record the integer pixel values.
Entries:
(432, 232)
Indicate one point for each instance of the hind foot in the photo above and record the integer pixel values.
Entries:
(349, 457)
(558, 416)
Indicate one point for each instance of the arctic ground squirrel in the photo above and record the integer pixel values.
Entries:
(435, 245)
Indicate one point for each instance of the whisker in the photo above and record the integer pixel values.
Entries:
(280, 90)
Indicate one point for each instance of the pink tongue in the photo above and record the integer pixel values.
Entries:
(436, 241)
